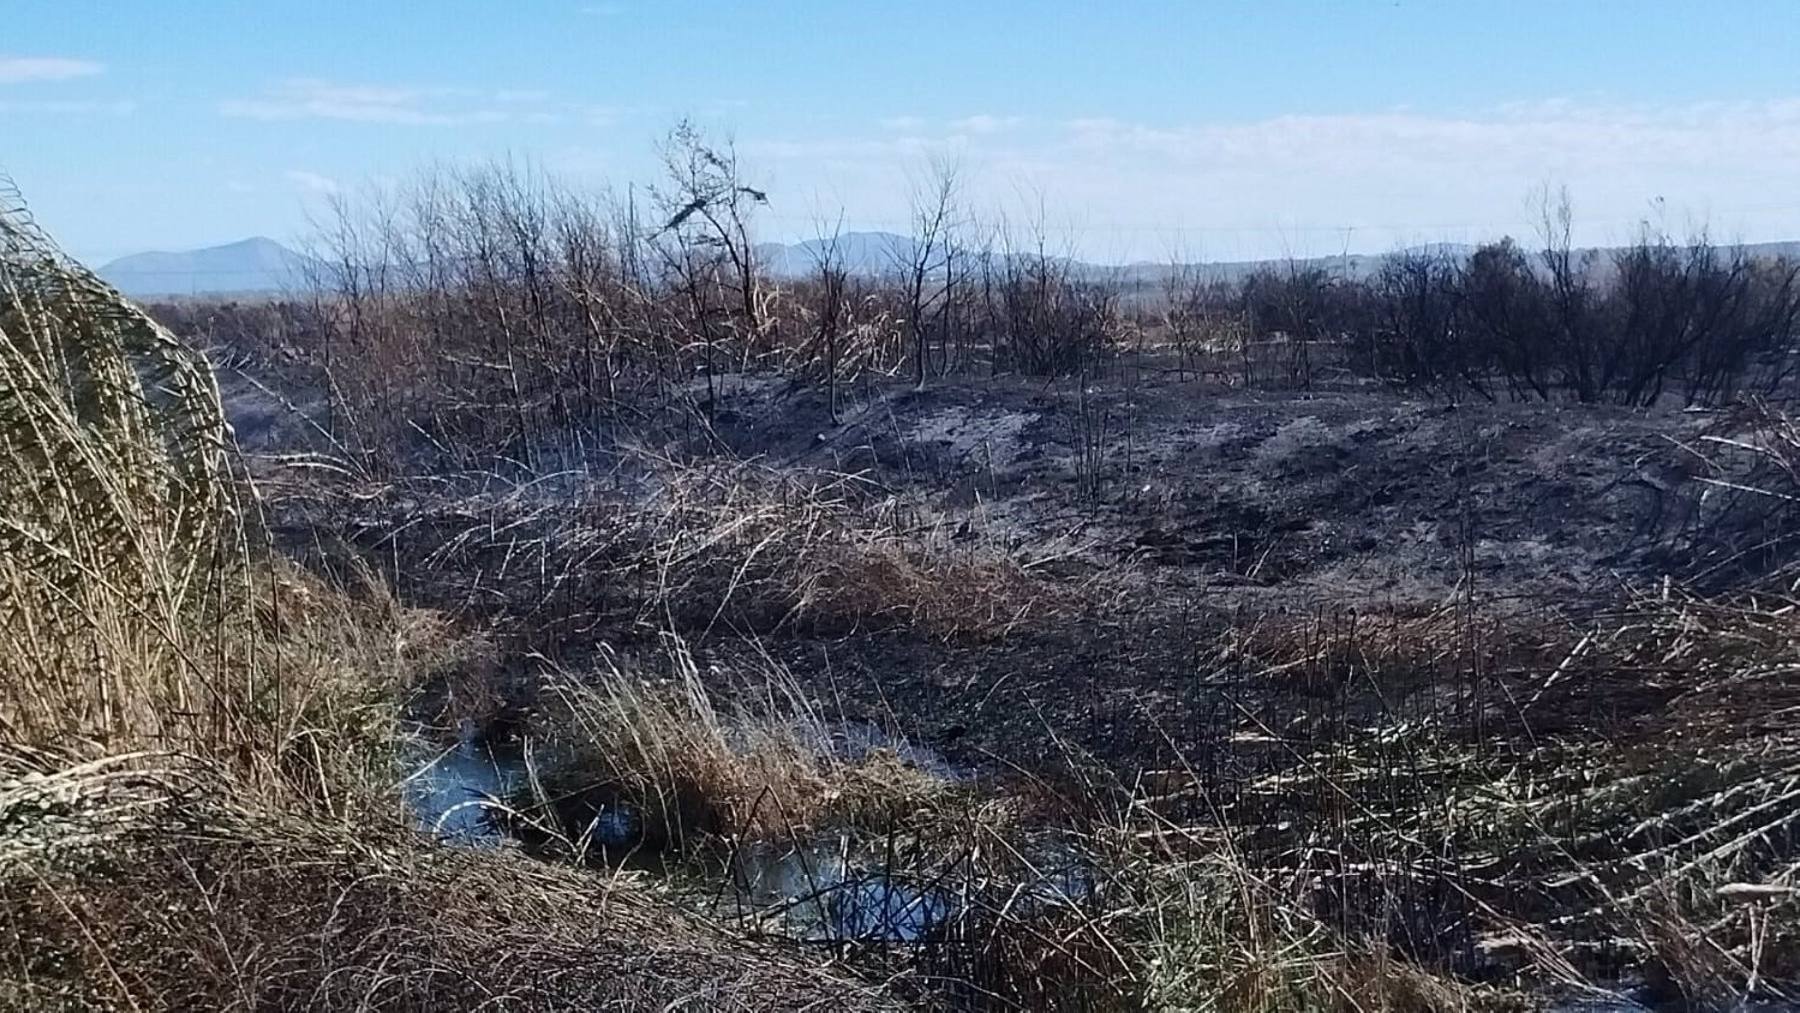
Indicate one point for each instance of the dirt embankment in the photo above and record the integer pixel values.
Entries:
(1337, 493)
(1183, 511)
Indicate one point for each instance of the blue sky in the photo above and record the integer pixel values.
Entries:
(1215, 130)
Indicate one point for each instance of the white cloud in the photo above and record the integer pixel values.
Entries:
(16, 69)
(1511, 139)
(314, 98)
(70, 107)
(311, 182)
(1309, 184)
(311, 98)
(980, 124)
(600, 116)
(984, 124)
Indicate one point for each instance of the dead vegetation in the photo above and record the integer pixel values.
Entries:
(1631, 805)
(733, 548)
(522, 510)
(196, 791)
(656, 760)
(142, 885)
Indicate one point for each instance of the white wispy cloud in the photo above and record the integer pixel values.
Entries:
(311, 182)
(980, 123)
(16, 69)
(1532, 138)
(315, 98)
(1302, 183)
(311, 98)
(70, 107)
(984, 123)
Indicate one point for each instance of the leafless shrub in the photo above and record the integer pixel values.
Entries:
(1417, 296)
(1045, 319)
(1503, 315)
(1299, 320)
(1651, 319)
(1090, 431)
(925, 263)
(1198, 320)
(707, 253)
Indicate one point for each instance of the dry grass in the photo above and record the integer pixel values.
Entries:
(201, 812)
(1738, 531)
(1626, 787)
(120, 536)
(659, 753)
(735, 548)
(196, 792)
(157, 892)
(133, 615)
(1217, 935)
(1421, 801)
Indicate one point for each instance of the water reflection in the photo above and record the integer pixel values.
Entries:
(829, 888)
(453, 793)
(826, 891)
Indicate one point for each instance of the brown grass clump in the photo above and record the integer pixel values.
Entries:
(663, 757)
(296, 694)
(1329, 647)
(119, 536)
(134, 615)
(976, 597)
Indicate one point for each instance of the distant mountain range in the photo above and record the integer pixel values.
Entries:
(252, 266)
(260, 266)
(883, 252)
(856, 252)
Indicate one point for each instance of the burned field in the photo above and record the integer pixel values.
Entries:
(1199, 509)
(1467, 686)
(587, 619)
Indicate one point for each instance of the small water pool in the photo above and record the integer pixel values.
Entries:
(828, 888)
(452, 793)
